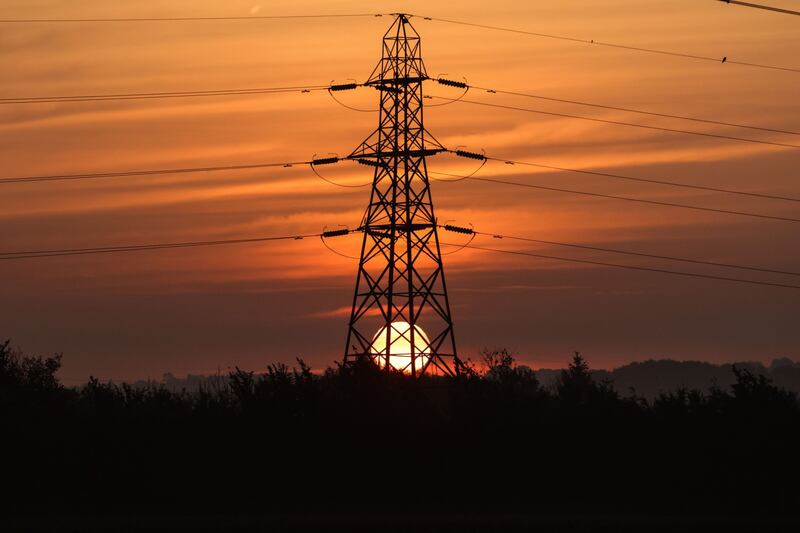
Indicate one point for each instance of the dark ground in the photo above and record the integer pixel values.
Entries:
(360, 449)
(462, 523)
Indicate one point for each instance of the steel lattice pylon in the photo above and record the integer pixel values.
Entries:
(400, 288)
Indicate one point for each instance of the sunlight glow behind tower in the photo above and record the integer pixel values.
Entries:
(400, 353)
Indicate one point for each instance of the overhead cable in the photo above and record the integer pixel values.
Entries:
(637, 111)
(648, 180)
(30, 254)
(721, 59)
(610, 196)
(638, 200)
(762, 6)
(129, 173)
(620, 123)
(628, 267)
(639, 254)
(158, 95)
(185, 19)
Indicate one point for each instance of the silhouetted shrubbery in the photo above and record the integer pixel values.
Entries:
(493, 439)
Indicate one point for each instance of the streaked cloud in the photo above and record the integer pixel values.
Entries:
(131, 315)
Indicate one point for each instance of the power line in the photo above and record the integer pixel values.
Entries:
(639, 111)
(647, 180)
(70, 177)
(190, 19)
(449, 21)
(29, 254)
(761, 6)
(337, 184)
(157, 95)
(309, 88)
(624, 198)
(620, 123)
(629, 267)
(128, 173)
(350, 107)
(614, 45)
(639, 254)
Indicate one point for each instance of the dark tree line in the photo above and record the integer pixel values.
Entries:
(359, 438)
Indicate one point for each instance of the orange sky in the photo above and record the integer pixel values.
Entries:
(138, 315)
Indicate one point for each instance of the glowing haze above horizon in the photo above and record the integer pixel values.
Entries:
(129, 316)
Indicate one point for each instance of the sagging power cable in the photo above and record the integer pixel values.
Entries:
(131, 173)
(60, 252)
(637, 111)
(110, 97)
(648, 180)
(187, 19)
(608, 196)
(762, 6)
(620, 123)
(628, 267)
(472, 231)
(720, 60)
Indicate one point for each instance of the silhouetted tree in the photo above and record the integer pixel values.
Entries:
(576, 386)
(290, 439)
(758, 392)
(501, 368)
(36, 373)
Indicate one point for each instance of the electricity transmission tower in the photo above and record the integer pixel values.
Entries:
(401, 317)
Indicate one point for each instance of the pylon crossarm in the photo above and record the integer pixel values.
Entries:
(407, 80)
(365, 151)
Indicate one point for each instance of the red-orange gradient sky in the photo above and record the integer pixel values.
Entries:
(128, 316)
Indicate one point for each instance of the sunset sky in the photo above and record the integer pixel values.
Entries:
(138, 315)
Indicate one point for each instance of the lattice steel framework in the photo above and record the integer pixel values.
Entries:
(400, 275)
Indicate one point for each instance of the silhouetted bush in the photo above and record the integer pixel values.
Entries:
(289, 440)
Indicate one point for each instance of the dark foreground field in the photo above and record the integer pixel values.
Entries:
(357, 448)
(461, 523)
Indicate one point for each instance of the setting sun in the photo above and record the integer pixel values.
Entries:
(400, 352)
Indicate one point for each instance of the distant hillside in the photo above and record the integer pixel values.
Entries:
(647, 378)
(652, 377)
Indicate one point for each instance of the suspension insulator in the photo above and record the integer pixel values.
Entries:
(470, 155)
(369, 162)
(459, 229)
(389, 89)
(425, 153)
(335, 232)
(325, 161)
(343, 87)
(452, 83)
(378, 234)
